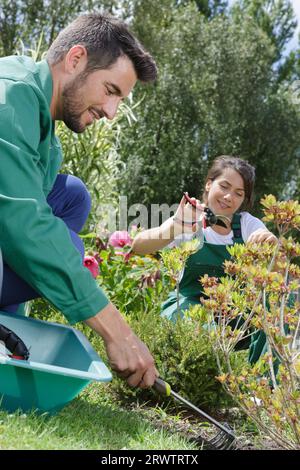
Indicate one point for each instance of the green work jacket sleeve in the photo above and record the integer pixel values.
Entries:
(36, 244)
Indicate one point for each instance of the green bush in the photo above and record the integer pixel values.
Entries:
(133, 285)
(183, 357)
(260, 295)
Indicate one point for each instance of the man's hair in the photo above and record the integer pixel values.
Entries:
(105, 38)
(245, 170)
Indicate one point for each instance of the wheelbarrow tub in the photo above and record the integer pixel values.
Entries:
(62, 362)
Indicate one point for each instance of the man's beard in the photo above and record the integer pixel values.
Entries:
(72, 106)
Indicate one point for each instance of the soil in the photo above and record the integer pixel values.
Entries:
(190, 426)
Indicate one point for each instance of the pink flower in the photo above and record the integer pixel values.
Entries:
(92, 264)
(119, 239)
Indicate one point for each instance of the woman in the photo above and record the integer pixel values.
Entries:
(228, 192)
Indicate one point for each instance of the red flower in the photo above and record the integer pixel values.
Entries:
(92, 264)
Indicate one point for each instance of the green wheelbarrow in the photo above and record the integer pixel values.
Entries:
(62, 362)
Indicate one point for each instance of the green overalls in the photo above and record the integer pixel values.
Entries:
(209, 260)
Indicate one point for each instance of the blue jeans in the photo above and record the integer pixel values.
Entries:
(71, 202)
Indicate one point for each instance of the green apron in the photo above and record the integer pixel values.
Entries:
(209, 260)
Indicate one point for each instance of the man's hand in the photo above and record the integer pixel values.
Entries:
(129, 357)
(262, 235)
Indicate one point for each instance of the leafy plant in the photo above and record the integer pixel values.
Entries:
(174, 260)
(183, 356)
(138, 286)
(259, 298)
(133, 285)
(93, 156)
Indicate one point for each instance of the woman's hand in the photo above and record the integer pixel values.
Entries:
(188, 218)
(262, 235)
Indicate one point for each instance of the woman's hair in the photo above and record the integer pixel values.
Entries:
(105, 38)
(243, 168)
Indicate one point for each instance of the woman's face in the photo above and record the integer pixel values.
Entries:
(226, 193)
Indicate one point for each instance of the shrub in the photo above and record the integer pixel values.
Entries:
(138, 286)
(183, 356)
(259, 297)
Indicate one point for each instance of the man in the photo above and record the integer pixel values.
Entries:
(92, 65)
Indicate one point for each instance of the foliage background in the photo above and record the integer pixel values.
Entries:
(225, 86)
(182, 352)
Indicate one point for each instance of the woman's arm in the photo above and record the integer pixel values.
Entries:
(158, 238)
(254, 230)
(154, 239)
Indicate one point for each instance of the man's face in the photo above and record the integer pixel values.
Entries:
(96, 95)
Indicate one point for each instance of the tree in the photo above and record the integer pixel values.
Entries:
(209, 8)
(217, 94)
(277, 19)
(27, 20)
(8, 26)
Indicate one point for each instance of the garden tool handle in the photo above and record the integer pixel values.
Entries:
(162, 387)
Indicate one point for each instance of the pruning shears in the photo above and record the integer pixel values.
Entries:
(210, 218)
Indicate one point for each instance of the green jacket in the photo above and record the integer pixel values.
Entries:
(35, 243)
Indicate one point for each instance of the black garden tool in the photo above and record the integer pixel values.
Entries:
(14, 344)
(11, 341)
(223, 440)
(210, 218)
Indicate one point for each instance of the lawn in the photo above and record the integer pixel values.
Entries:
(92, 421)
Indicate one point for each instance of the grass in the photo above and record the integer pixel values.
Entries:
(106, 417)
(93, 422)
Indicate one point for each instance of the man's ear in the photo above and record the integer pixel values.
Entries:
(75, 60)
